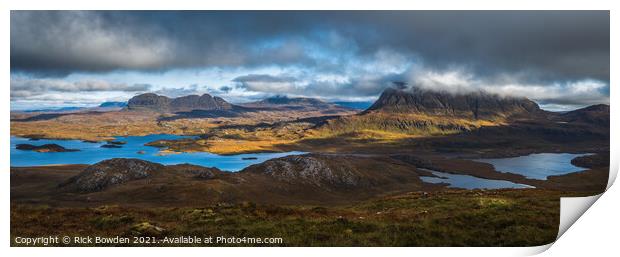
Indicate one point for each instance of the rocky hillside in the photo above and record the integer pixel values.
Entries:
(111, 172)
(119, 171)
(594, 115)
(475, 105)
(334, 172)
(188, 103)
(198, 172)
(321, 178)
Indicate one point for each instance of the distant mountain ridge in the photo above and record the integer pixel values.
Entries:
(285, 103)
(187, 103)
(282, 101)
(285, 100)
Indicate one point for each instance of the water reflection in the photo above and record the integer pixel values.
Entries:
(469, 182)
(536, 166)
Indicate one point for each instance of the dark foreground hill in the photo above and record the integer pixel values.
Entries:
(322, 179)
(113, 172)
(292, 179)
(309, 200)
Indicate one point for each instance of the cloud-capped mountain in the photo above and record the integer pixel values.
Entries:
(473, 105)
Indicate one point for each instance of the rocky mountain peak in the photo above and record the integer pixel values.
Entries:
(159, 103)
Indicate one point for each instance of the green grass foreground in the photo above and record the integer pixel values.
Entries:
(447, 218)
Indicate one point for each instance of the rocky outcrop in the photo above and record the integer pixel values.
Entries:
(111, 172)
(317, 176)
(198, 172)
(474, 105)
(46, 148)
(316, 170)
(188, 103)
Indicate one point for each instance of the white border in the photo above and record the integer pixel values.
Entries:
(285, 5)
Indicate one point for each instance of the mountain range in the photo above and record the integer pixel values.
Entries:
(285, 103)
(288, 101)
(475, 105)
(217, 106)
(410, 110)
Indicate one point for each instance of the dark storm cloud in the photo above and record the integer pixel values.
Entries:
(25, 88)
(264, 78)
(545, 45)
(363, 86)
(61, 42)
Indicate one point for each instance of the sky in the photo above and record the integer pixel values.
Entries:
(560, 59)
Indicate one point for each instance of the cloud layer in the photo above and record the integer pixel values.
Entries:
(547, 43)
(570, 94)
(328, 54)
(28, 88)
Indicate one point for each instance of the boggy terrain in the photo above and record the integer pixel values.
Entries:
(441, 218)
(360, 185)
(308, 200)
(319, 179)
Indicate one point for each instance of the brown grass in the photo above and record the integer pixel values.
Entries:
(448, 218)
